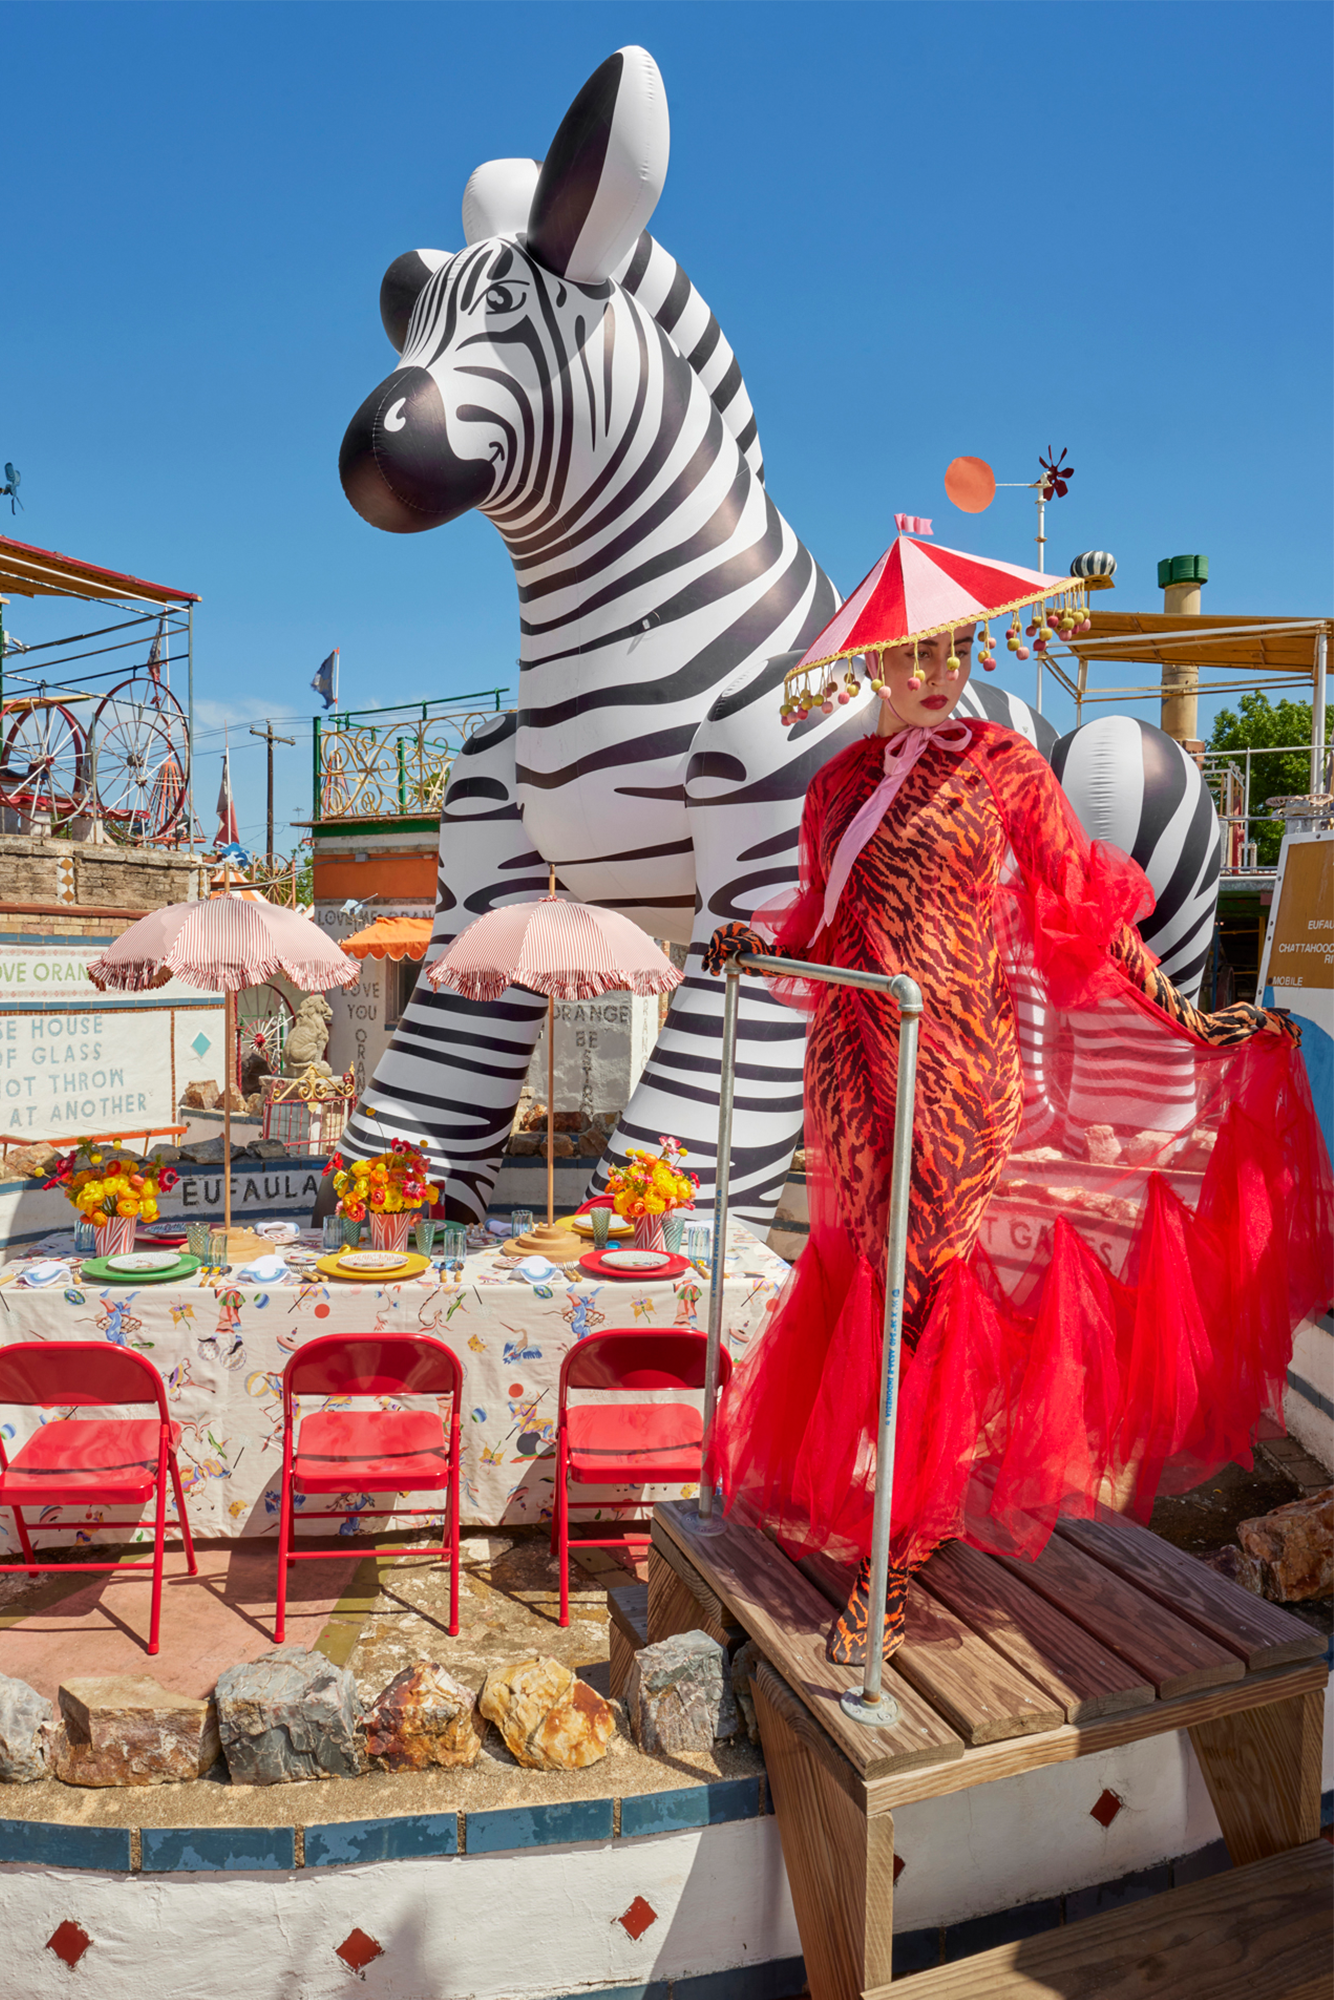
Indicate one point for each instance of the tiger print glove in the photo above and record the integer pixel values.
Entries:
(1240, 1021)
(730, 941)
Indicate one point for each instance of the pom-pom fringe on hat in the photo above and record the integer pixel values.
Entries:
(915, 591)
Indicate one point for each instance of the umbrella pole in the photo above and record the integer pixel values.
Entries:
(551, 1114)
(228, 1032)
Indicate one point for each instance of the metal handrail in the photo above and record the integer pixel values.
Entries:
(871, 1705)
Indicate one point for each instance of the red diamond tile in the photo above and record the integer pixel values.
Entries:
(899, 1865)
(357, 1950)
(69, 1942)
(638, 1918)
(1106, 1809)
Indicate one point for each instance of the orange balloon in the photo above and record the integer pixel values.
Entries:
(970, 484)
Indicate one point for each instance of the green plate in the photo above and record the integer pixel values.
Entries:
(96, 1271)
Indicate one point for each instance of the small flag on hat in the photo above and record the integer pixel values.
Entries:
(325, 682)
(226, 805)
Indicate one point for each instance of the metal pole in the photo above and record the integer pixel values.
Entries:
(708, 1522)
(316, 805)
(871, 1706)
(1318, 714)
(190, 714)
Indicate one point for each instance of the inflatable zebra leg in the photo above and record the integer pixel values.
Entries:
(452, 1075)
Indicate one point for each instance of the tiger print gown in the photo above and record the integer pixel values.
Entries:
(979, 879)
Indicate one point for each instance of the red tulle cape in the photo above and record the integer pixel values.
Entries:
(1115, 1329)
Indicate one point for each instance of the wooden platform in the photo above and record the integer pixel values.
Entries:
(1261, 1932)
(1110, 1637)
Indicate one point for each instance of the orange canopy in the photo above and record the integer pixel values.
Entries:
(391, 937)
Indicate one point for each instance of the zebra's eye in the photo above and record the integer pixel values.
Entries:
(504, 298)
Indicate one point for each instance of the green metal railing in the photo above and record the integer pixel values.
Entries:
(393, 763)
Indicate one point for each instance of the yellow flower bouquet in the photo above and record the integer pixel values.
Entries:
(650, 1186)
(388, 1189)
(112, 1189)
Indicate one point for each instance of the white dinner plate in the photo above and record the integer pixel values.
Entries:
(635, 1260)
(372, 1260)
(144, 1260)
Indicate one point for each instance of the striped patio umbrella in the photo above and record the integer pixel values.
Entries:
(568, 951)
(226, 941)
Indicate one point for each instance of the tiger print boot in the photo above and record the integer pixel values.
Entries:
(849, 1635)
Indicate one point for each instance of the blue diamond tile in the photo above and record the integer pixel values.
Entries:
(201, 1044)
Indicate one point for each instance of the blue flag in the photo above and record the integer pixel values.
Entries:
(325, 681)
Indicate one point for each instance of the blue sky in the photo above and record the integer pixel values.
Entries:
(927, 229)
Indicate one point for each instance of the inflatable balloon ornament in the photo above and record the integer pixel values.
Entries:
(562, 375)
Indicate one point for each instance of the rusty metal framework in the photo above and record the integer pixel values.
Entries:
(393, 763)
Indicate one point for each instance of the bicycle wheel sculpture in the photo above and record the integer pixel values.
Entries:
(142, 748)
(43, 760)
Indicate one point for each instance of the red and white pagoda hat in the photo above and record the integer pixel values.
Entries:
(916, 590)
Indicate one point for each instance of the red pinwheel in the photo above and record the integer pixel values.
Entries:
(1058, 474)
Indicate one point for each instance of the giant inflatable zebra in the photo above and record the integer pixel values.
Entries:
(562, 375)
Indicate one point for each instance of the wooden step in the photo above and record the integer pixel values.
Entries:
(1262, 1932)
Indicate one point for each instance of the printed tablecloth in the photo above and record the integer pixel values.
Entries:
(221, 1349)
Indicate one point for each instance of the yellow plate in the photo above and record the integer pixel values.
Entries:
(581, 1225)
(412, 1267)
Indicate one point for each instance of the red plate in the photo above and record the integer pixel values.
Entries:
(158, 1239)
(595, 1267)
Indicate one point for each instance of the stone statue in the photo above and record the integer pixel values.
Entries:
(308, 1038)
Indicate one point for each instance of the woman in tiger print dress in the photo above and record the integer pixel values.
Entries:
(977, 877)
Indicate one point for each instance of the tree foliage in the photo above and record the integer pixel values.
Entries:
(1283, 773)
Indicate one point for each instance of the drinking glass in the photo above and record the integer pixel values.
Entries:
(331, 1234)
(197, 1240)
(423, 1235)
(698, 1243)
(455, 1243)
(85, 1239)
(673, 1227)
(600, 1218)
(351, 1230)
(217, 1247)
(521, 1222)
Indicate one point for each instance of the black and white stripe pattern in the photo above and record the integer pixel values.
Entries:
(604, 428)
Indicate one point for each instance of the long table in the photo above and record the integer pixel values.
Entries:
(221, 1347)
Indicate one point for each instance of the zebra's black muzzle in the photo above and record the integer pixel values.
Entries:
(397, 465)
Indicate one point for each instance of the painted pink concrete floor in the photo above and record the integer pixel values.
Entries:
(214, 1620)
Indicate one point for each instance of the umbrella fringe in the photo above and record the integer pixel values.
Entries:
(489, 985)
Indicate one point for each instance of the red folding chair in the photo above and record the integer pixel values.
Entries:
(73, 1461)
(371, 1451)
(624, 1443)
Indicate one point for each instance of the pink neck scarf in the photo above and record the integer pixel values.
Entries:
(901, 753)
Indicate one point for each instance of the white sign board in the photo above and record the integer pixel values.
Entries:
(73, 1060)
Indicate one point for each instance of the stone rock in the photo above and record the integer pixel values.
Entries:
(562, 1147)
(200, 1096)
(550, 1720)
(238, 1103)
(26, 1723)
(568, 1121)
(592, 1145)
(679, 1695)
(204, 1152)
(166, 1156)
(289, 1715)
(424, 1717)
(268, 1149)
(535, 1117)
(1102, 1145)
(524, 1144)
(1141, 1149)
(1294, 1547)
(28, 1162)
(1237, 1567)
(127, 1729)
(743, 1664)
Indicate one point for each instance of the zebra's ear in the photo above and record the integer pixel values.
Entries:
(603, 172)
(497, 199)
(401, 286)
